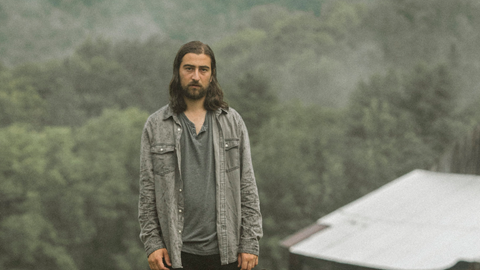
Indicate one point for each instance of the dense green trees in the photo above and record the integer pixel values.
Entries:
(19, 100)
(339, 97)
(108, 147)
(299, 172)
(38, 198)
(397, 122)
(69, 196)
(97, 76)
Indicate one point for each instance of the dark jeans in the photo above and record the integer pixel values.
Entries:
(197, 262)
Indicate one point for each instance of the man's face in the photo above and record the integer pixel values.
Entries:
(195, 75)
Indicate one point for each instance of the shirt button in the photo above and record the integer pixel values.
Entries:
(180, 190)
(179, 231)
(180, 210)
(179, 129)
(226, 145)
(161, 149)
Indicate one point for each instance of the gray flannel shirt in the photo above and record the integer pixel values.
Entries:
(161, 202)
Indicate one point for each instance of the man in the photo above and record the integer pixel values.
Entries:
(198, 206)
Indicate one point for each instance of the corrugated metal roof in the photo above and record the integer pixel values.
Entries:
(302, 235)
(423, 220)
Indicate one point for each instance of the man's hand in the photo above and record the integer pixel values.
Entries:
(247, 261)
(155, 260)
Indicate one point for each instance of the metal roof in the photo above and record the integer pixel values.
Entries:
(302, 235)
(422, 220)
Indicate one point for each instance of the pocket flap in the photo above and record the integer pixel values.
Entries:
(231, 143)
(162, 149)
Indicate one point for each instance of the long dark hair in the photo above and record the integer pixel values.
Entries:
(214, 97)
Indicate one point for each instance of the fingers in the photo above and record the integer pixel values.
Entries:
(155, 260)
(247, 261)
(247, 265)
(167, 258)
(157, 265)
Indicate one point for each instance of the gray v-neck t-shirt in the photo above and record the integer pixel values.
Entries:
(198, 175)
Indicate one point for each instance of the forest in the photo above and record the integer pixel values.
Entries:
(339, 97)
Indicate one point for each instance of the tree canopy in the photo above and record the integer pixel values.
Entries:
(339, 97)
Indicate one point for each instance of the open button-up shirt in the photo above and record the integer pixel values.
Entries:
(161, 202)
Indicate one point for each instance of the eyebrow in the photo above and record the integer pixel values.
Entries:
(190, 65)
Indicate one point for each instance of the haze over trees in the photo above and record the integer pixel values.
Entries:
(340, 97)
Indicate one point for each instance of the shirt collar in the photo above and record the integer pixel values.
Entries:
(220, 111)
(169, 112)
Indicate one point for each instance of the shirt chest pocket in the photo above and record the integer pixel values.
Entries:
(232, 154)
(163, 158)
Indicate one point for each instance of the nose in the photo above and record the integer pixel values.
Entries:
(195, 75)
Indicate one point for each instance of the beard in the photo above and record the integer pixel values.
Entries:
(194, 94)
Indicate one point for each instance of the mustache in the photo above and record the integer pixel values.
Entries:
(194, 84)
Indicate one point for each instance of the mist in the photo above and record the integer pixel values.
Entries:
(339, 97)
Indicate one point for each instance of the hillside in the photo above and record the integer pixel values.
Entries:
(339, 97)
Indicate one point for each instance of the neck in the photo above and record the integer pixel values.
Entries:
(195, 106)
